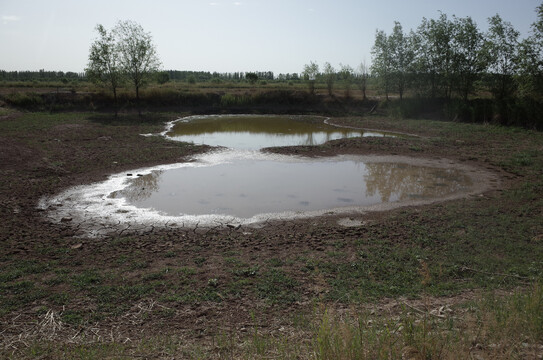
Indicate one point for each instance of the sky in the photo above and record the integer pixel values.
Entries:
(229, 35)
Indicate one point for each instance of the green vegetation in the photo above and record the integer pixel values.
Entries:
(457, 279)
(508, 327)
(126, 53)
(487, 243)
(452, 59)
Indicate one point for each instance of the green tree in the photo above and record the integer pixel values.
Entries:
(402, 57)
(361, 78)
(435, 55)
(501, 50)
(382, 61)
(104, 66)
(468, 59)
(329, 74)
(530, 60)
(346, 74)
(137, 54)
(310, 73)
(162, 77)
(251, 77)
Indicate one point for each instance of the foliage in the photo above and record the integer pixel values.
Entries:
(382, 61)
(402, 56)
(137, 53)
(361, 78)
(251, 77)
(468, 56)
(162, 77)
(329, 76)
(104, 65)
(346, 74)
(452, 59)
(435, 55)
(501, 49)
(310, 73)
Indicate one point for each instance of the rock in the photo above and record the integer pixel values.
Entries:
(76, 246)
(66, 219)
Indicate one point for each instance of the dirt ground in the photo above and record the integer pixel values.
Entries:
(45, 157)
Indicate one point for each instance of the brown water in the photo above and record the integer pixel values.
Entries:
(253, 132)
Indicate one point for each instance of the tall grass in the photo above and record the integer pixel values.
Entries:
(493, 327)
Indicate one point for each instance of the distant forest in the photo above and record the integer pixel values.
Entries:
(196, 76)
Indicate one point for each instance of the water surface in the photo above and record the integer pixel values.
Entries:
(252, 132)
(240, 184)
(243, 187)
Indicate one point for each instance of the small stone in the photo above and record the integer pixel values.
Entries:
(66, 219)
(76, 246)
(128, 174)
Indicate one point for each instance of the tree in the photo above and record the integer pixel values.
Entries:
(104, 65)
(361, 78)
(501, 50)
(402, 57)
(435, 38)
(530, 60)
(329, 74)
(310, 73)
(137, 54)
(468, 59)
(162, 77)
(251, 77)
(346, 74)
(382, 61)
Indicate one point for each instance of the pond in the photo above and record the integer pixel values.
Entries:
(244, 185)
(253, 132)
(239, 184)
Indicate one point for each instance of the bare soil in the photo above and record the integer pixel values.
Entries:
(43, 159)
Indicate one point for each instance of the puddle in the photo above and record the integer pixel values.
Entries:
(253, 132)
(245, 185)
(241, 185)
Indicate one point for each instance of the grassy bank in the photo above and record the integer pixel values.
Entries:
(462, 275)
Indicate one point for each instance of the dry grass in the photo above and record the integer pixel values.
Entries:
(494, 326)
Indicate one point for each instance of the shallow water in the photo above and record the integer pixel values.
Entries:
(243, 182)
(253, 132)
(245, 186)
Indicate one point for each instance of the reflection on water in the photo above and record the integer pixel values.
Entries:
(259, 131)
(141, 187)
(399, 181)
(247, 187)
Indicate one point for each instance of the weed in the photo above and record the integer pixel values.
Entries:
(277, 287)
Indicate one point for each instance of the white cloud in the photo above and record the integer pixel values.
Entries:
(213, 3)
(237, 3)
(9, 18)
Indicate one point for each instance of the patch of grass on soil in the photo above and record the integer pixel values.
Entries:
(293, 289)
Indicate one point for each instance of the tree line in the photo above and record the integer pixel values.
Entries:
(345, 75)
(450, 58)
(41, 75)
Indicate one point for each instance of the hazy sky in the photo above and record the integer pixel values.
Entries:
(225, 35)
